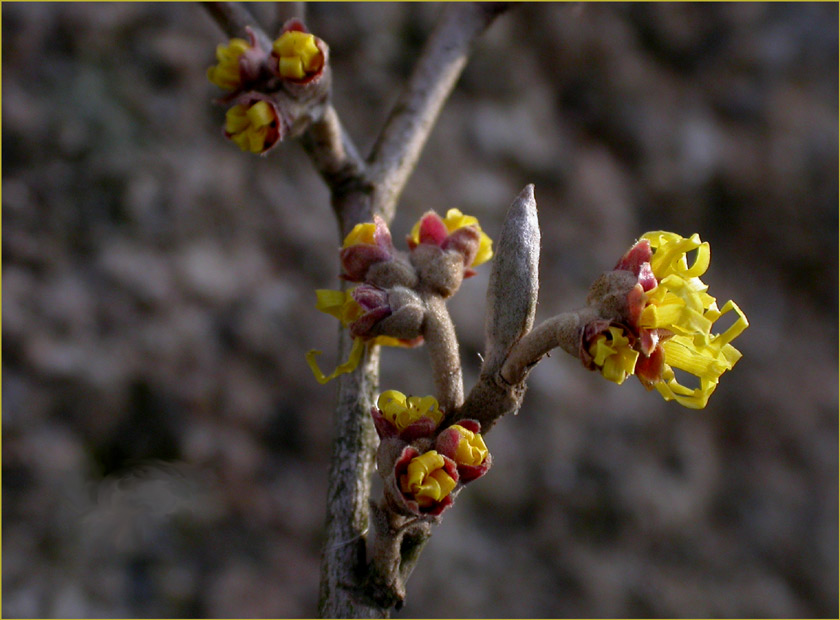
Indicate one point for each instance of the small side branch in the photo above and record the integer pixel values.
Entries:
(438, 69)
(233, 18)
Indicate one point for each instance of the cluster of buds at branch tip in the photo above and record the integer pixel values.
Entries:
(274, 93)
(423, 466)
(655, 316)
(400, 296)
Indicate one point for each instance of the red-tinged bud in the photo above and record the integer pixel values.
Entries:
(457, 232)
(366, 245)
(406, 417)
(255, 123)
(298, 56)
(421, 484)
(464, 444)
(637, 261)
(374, 307)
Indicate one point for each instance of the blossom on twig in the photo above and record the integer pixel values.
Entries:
(666, 323)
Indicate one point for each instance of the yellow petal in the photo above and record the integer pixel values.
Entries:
(485, 250)
(291, 68)
(362, 234)
(349, 366)
(260, 114)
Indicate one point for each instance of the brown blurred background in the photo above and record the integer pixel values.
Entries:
(165, 447)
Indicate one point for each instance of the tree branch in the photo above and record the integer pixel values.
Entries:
(343, 562)
(410, 123)
(233, 18)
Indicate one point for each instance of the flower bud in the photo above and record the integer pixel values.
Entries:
(421, 484)
(456, 232)
(254, 125)
(464, 444)
(366, 245)
(362, 310)
(298, 55)
(406, 417)
(240, 63)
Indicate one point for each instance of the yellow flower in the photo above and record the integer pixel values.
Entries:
(613, 355)
(226, 73)
(471, 449)
(254, 128)
(680, 305)
(298, 54)
(402, 411)
(426, 480)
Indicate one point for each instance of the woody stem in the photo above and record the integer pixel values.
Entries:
(562, 331)
(442, 344)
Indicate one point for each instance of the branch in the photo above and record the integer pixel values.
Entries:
(335, 157)
(343, 561)
(233, 18)
(438, 69)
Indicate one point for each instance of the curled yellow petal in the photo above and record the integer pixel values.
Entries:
(471, 450)
(402, 411)
(349, 366)
(426, 479)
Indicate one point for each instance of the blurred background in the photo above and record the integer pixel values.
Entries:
(166, 448)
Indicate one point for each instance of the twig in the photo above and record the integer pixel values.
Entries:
(438, 69)
(357, 192)
(334, 155)
(283, 11)
(233, 18)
